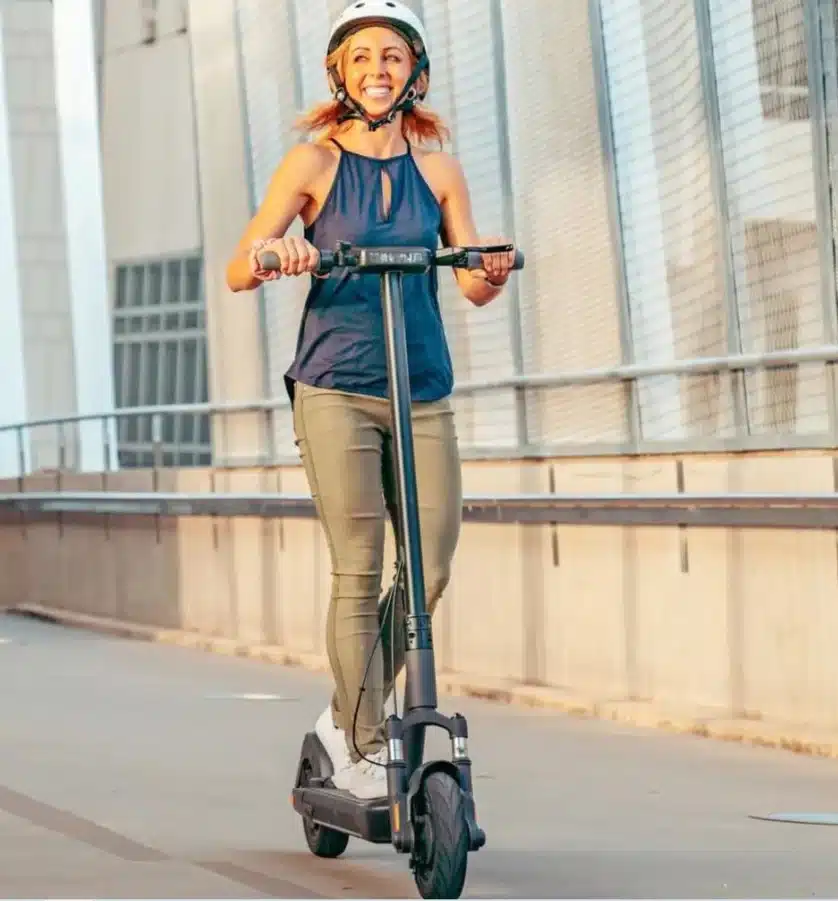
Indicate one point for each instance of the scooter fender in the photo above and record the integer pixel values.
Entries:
(477, 838)
(313, 751)
(421, 773)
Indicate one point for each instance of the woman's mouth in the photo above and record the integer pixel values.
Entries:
(377, 92)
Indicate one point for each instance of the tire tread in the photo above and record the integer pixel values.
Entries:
(443, 802)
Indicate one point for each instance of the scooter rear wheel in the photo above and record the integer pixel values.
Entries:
(321, 840)
(324, 842)
(442, 840)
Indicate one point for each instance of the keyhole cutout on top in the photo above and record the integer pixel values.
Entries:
(386, 194)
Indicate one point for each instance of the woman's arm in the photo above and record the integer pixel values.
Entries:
(482, 285)
(287, 194)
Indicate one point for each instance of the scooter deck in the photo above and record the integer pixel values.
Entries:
(315, 798)
(339, 810)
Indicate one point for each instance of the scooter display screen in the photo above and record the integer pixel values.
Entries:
(404, 260)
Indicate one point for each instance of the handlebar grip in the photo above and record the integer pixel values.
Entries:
(327, 262)
(270, 261)
(475, 260)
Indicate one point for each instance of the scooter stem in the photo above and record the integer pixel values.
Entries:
(419, 653)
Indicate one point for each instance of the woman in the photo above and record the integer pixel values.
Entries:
(366, 180)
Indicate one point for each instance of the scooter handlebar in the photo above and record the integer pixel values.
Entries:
(456, 258)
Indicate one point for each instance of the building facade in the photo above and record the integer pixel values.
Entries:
(666, 166)
(55, 333)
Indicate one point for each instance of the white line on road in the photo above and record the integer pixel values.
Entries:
(248, 696)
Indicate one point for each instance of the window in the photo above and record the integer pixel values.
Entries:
(160, 358)
(782, 66)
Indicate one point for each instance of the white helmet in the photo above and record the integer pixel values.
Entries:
(402, 20)
(389, 13)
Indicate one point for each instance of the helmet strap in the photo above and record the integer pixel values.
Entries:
(404, 102)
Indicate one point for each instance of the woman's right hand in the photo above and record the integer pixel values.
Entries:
(295, 254)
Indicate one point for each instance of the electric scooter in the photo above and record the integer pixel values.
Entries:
(429, 811)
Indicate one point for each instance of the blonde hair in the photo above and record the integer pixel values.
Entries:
(419, 124)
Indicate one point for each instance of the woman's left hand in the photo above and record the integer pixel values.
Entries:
(496, 266)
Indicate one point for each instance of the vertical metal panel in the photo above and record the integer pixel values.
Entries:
(722, 205)
(664, 184)
(264, 331)
(761, 72)
(312, 21)
(827, 20)
(271, 98)
(479, 336)
(816, 49)
(615, 221)
(568, 293)
(508, 216)
(232, 322)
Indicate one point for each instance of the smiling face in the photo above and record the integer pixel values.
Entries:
(377, 65)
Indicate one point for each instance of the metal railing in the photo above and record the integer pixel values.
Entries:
(776, 511)
(266, 454)
(106, 419)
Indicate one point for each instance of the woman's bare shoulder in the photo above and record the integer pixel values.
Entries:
(439, 160)
(441, 168)
(313, 157)
(431, 154)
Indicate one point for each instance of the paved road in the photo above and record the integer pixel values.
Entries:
(132, 770)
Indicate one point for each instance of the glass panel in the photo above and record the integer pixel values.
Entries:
(187, 387)
(173, 282)
(152, 374)
(137, 286)
(761, 69)
(193, 281)
(155, 284)
(121, 290)
(667, 207)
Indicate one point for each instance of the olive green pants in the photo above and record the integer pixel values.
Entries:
(346, 448)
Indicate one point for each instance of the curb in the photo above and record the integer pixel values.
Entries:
(638, 714)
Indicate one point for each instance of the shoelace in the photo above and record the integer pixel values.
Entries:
(367, 767)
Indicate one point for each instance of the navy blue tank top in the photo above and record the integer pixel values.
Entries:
(341, 338)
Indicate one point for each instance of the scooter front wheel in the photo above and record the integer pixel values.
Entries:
(441, 838)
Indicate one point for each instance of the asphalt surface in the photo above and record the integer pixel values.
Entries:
(132, 770)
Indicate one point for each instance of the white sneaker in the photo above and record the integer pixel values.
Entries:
(334, 741)
(366, 779)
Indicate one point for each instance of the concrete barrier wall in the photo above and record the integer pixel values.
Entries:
(702, 622)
